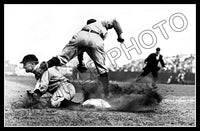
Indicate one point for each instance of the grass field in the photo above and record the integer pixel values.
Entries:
(178, 108)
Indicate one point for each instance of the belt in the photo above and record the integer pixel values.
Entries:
(92, 31)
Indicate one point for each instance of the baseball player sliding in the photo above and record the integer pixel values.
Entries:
(89, 39)
(51, 81)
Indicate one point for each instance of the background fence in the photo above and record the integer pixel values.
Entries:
(124, 76)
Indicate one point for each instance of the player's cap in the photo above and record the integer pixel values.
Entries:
(29, 58)
(91, 21)
(158, 49)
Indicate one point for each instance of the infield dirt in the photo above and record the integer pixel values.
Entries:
(178, 108)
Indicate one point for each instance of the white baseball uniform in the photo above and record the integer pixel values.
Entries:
(54, 82)
(90, 40)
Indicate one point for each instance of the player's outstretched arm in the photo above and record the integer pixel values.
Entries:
(118, 30)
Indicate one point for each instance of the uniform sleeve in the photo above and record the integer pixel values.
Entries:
(117, 27)
(42, 84)
(113, 24)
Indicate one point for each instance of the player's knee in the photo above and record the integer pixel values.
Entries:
(72, 91)
(56, 103)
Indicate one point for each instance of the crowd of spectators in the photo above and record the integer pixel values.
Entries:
(174, 64)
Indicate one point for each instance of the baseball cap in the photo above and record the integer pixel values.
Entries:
(91, 21)
(158, 49)
(29, 58)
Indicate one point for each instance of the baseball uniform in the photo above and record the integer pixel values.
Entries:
(90, 40)
(54, 82)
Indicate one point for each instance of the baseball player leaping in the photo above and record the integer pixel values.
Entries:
(89, 40)
(51, 81)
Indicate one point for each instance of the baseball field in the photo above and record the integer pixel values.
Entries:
(177, 108)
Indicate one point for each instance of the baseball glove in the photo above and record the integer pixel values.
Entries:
(31, 100)
(81, 68)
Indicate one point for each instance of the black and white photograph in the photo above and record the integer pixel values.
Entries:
(99, 65)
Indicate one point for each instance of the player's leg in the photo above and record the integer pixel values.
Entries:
(69, 51)
(63, 95)
(145, 72)
(97, 54)
(103, 78)
(155, 77)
